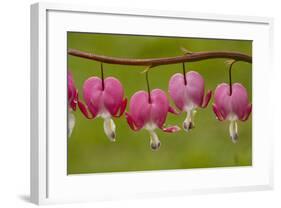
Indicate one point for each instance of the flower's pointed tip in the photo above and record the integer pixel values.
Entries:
(173, 111)
(175, 129)
(85, 111)
(187, 126)
(154, 141)
(234, 138)
(112, 137)
(217, 112)
(171, 129)
(155, 146)
(131, 122)
(73, 106)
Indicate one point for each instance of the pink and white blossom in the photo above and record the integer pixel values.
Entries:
(72, 95)
(188, 94)
(104, 98)
(150, 114)
(232, 107)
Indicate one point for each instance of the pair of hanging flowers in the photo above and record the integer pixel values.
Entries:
(149, 109)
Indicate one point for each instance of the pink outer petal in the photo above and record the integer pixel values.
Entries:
(221, 100)
(113, 95)
(72, 92)
(191, 93)
(239, 100)
(159, 107)
(173, 111)
(140, 108)
(74, 100)
(217, 112)
(206, 99)
(84, 109)
(92, 92)
(171, 129)
(247, 113)
(236, 104)
(195, 87)
(121, 108)
(131, 122)
(70, 86)
(177, 90)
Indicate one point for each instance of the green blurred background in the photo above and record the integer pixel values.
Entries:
(207, 145)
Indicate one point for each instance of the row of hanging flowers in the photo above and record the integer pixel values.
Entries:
(104, 98)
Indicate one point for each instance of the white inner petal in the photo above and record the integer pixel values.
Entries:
(188, 123)
(233, 131)
(71, 123)
(154, 141)
(109, 128)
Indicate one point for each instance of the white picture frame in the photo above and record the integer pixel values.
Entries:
(49, 180)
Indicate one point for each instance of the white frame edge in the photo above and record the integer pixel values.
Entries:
(38, 87)
(38, 99)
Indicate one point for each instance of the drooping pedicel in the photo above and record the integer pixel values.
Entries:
(72, 95)
(149, 111)
(232, 105)
(104, 98)
(188, 94)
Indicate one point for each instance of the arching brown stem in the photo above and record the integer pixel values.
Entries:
(190, 57)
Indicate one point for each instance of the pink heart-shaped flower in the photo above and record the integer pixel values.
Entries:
(232, 107)
(103, 99)
(188, 94)
(150, 114)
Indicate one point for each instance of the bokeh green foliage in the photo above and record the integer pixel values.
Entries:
(207, 145)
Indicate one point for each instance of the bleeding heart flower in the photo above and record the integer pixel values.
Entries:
(188, 94)
(150, 113)
(104, 98)
(72, 94)
(232, 107)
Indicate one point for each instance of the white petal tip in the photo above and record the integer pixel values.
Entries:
(155, 146)
(187, 126)
(176, 129)
(112, 137)
(188, 123)
(154, 141)
(234, 138)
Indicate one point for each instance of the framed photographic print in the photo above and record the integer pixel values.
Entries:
(131, 103)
